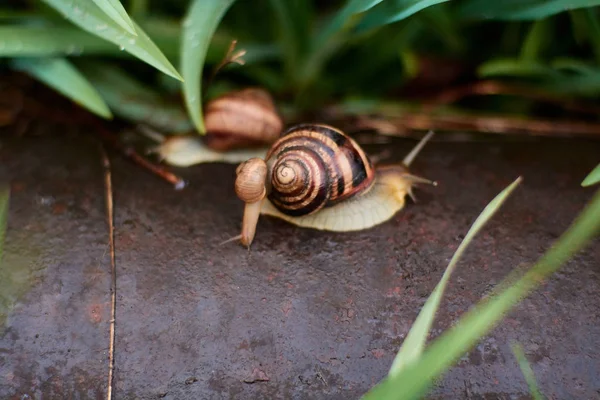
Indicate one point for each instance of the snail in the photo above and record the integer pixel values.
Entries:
(316, 176)
(239, 125)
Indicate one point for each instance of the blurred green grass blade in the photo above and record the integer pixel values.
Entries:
(138, 8)
(527, 371)
(516, 68)
(133, 101)
(200, 23)
(537, 38)
(115, 10)
(4, 200)
(592, 178)
(293, 17)
(40, 41)
(62, 76)
(519, 9)
(414, 381)
(89, 17)
(391, 11)
(417, 336)
(586, 23)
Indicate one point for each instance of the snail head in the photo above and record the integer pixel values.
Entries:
(250, 187)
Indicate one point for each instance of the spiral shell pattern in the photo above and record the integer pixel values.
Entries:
(316, 166)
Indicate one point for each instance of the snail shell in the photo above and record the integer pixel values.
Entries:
(315, 166)
(241, 119)
(318, 177)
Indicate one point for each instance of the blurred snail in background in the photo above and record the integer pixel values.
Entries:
(239, 125)
(316, 176)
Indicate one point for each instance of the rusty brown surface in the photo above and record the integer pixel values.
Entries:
(304, 314)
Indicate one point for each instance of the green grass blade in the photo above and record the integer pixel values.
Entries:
(61, 75)
(115, 10)
(86, 15)
(40, 41)
(414, 380)
(391, 11)
(516, 68)
(539, 36)
(4, 200)
(417, 336)
(519, 9)
(592, 178)
(200, 23)
(527, 371)
(133, 101)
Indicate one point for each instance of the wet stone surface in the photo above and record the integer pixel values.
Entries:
(304, 314)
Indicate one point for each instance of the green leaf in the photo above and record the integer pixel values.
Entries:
(412, 347)
(40, 41)
(413, 381)
(89, 17)
(293, 18)
(516, 68)
(539, 36)
(114, 9)
(135, 102)
(391, 11)
(527, 371)
(59, 74)
(592, 178)
(200, 23)
(4, 199)
(519, 9)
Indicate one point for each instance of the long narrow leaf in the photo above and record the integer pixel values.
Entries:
(134, 101)
(4, 200)
(115, 10)
(414, 381)
(59, 74)
(527, 371)
(200, 23)
(89, 17)
(519, 9)
(29, 41)
(592, 178)
(391, 11)
(415, 340)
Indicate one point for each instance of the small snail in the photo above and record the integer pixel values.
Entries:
(239, 125)
(315, 176)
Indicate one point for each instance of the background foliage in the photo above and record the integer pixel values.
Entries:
(136, 58)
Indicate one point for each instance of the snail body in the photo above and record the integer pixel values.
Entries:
(239, 125)
(315, 176)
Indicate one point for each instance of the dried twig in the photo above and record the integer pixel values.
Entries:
(176, 181)
(229, 58)
(400, 125)
(113, 270)
(489, 87)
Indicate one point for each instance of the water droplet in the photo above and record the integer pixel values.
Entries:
(121, 47)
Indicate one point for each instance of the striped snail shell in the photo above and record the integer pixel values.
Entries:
(315, 176)
(315, 166)
(241, 119)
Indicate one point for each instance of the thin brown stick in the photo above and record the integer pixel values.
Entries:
(230, 58)
(113, 270)
(162, 173)
(400, 125)
(490, 87)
